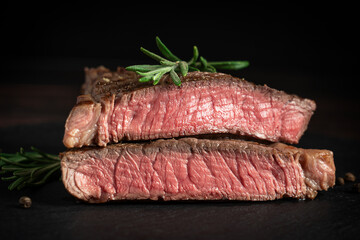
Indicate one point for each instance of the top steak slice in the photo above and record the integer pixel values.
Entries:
(115, 106)
(196, 169)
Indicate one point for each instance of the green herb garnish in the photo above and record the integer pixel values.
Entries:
(173, 65)
(28, 168)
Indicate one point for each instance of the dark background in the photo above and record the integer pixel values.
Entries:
(320, 42)
(308, 50)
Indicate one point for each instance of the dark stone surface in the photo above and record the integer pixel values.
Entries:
(56, 215)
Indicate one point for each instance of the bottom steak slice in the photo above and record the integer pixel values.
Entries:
(196, 169)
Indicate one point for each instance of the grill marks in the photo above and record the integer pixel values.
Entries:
(192, 169)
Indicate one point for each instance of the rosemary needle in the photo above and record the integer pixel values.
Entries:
(28, 168)
(173, 65)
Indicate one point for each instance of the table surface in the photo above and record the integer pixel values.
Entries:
(34, 115)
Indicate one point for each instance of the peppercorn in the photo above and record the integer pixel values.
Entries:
(340, 181)
(25, 202)
(349, 177)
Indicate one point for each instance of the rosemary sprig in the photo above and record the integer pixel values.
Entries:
(173, 65)
(28, 168)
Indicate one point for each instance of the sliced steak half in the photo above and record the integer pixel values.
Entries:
(196, 169)
(117, 107)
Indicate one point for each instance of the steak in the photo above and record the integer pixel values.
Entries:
(115, 106)
(196, 169)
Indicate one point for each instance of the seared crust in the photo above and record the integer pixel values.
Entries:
(101, 82)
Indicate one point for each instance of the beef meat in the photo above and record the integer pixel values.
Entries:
(115, 106)
(196, 169)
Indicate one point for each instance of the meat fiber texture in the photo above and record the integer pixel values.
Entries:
(116, 107)
(196, 169)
